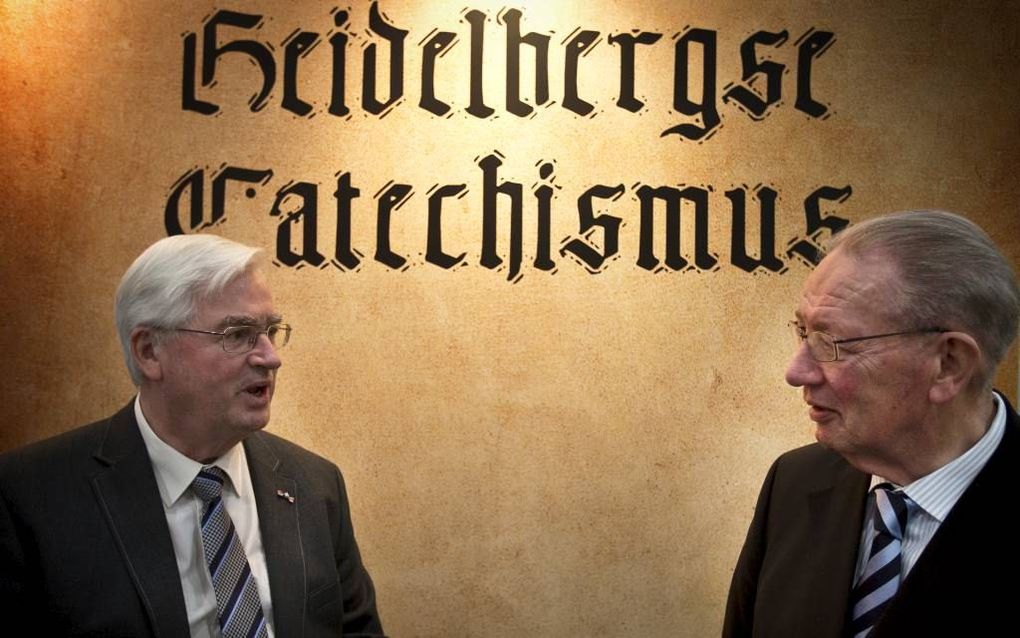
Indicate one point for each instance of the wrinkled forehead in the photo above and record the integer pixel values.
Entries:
(245, 300)
(849, 289)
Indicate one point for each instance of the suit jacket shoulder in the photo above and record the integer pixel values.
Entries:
(795, 570)
(84, 544)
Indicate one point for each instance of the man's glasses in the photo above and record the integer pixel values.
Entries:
(239, 339)
(823, 347)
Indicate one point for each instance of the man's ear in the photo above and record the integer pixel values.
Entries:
(959, 362)
(146, 353)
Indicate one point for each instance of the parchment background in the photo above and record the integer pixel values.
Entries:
(570, 455)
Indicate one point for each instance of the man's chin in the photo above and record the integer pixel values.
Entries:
(260, 422)
(253, 420)
(827, 434)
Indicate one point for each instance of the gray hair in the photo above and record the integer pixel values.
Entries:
(951, 276)
(163, 287)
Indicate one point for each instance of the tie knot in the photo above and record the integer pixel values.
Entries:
(893, 509)
(209, 483)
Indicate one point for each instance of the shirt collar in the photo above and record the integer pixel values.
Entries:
(936, 493)
(174, 471)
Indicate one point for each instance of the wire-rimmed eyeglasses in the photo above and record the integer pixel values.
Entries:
(239, 339)
(823, 347)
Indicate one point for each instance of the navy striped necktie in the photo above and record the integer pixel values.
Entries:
(882, 573)
(238, 606)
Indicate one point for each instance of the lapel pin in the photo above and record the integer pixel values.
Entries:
(285, 495)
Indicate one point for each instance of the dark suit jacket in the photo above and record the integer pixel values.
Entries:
(796, 570)
(85, 548)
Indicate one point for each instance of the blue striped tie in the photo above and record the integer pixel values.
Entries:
(881, 578)
(237, 596)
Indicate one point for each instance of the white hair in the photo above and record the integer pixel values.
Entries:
(164, 285)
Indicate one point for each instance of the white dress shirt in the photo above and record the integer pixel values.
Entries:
(183, 508)
(935, 494)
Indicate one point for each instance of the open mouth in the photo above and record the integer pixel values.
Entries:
(258, 390)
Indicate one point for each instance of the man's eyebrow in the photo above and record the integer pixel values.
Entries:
(248, 320)
(819, 325)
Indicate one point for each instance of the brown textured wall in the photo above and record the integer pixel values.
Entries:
(570, 455)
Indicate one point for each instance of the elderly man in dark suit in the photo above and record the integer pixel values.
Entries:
(178, 516)
(900, 521)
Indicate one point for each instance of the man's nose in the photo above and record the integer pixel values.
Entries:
(803, 369)
(264, 353)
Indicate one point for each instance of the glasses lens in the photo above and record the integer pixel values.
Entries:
(279, 334)
(239, 338)
(821, 346)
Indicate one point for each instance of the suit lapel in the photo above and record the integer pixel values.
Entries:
(836, 514)
(281, 538)
(129, 498)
